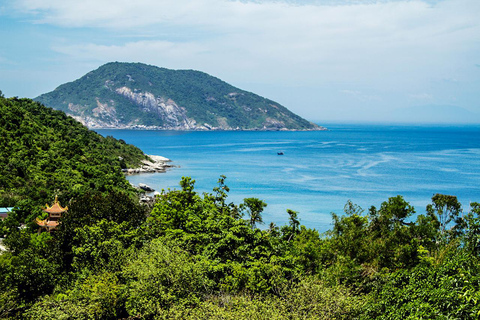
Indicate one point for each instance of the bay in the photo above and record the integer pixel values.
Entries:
(320, 170)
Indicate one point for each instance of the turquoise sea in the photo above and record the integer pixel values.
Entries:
(319, 171)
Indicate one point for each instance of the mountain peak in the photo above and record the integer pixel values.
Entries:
(137, 95)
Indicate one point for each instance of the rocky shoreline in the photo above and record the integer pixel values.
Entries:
(206, 127)
(157, 164)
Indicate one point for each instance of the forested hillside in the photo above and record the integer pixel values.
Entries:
(200, 256)
(136, 95)
(44, 152)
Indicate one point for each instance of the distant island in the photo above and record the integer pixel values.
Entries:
(140, 96)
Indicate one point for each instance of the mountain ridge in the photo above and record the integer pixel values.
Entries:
(140, 96)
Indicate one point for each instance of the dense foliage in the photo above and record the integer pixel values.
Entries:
(44, 152)
(200, 256)
(205, 98)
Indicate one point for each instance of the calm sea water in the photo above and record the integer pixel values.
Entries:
(320, 171)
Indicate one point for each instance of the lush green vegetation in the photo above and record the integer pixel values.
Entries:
(205, 98)
(44, 152)
(200, 256)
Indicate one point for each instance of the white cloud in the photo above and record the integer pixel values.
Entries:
(338, 41)
(120, 14)
(383, 45)
(142, 51)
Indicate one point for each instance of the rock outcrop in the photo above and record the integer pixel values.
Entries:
(145, 187)
(156, 164)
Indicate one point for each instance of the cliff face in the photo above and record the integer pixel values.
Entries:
(170, 114)
(134, 95)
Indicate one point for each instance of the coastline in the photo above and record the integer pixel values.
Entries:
(161, 128)
(155, 164)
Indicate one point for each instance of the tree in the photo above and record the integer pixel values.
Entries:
(221, 192)
(447, 208)
(293, 219)
(349, 233)
(89, 210)
(472, 230)
(177, 209)
(162, 274)
(96, 297)
(103, 246)
(254, 207)
(294, 222)
(392, 239)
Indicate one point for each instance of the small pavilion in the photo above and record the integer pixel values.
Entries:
(54, 214)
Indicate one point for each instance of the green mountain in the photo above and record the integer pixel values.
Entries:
(44, 152)
(136, 95)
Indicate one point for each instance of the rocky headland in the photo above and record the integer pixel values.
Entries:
(155, 164)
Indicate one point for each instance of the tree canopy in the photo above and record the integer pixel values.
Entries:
(43, 152)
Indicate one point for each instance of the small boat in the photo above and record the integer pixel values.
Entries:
(280, 153)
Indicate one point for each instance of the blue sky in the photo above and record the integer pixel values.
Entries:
(352, 60)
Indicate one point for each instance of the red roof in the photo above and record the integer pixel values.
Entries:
(45, 223)
(55, 208)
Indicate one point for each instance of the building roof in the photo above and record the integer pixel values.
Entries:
(55, 208)
(46, 223)
(5, 209)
